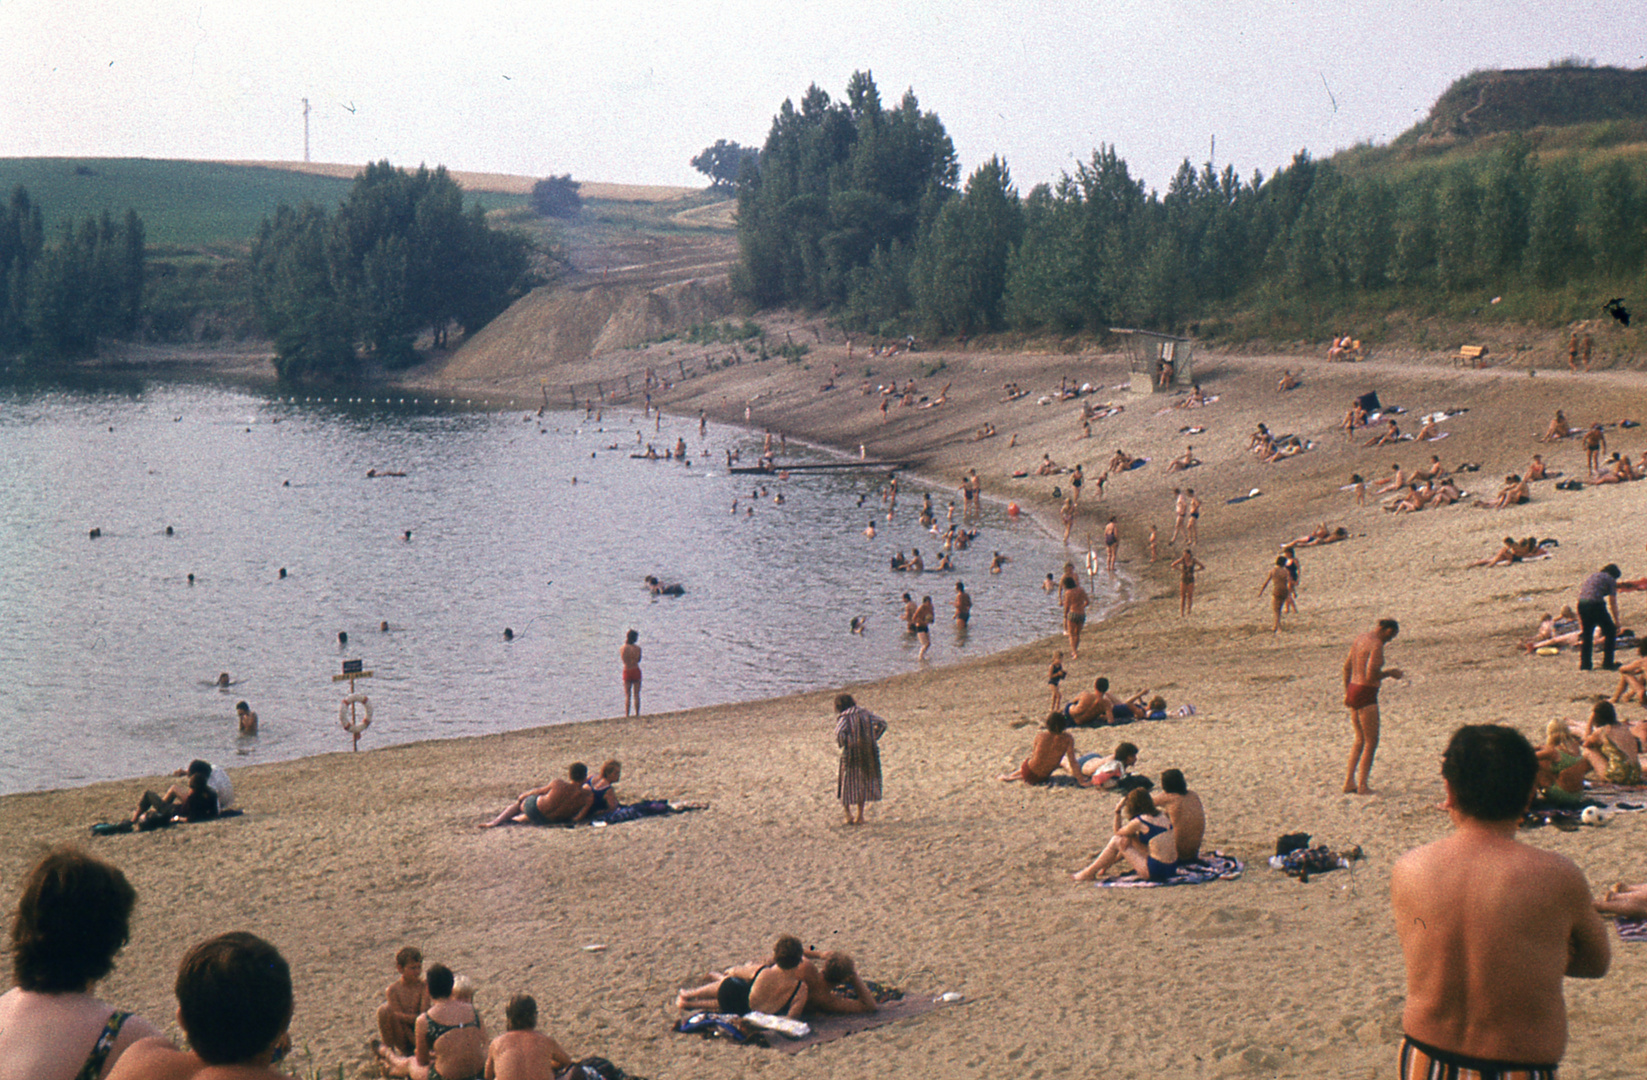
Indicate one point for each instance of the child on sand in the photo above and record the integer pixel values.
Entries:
(1056, 675)
(405, 998)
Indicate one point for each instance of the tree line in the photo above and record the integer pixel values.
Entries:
(400, 257)
(60, 293)
(856, 209)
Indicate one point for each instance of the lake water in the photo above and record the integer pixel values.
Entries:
(108, 652)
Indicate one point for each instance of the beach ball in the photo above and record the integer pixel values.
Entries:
(1592, 816)
(1012, 510)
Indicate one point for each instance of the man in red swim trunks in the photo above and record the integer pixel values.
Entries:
(1364, 672)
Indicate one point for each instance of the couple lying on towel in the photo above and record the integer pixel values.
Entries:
(1154, 840)
(788, 984)
(564, 801)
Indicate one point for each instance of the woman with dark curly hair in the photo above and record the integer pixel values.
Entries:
(72, 918)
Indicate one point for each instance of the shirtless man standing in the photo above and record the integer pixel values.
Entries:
(1075, 601)
(1180, 511)
(1595, 444)
(630, 656)
(1279, 582)
(1364, 672)
(924, 614)
(1489, 926)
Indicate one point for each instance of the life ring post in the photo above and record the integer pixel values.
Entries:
(347, 718)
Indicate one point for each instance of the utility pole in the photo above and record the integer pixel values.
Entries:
(305, 130)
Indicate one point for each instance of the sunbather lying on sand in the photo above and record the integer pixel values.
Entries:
(1322, 535)
(1054, 746)
(775, 987)
(812, 988)
(1512, 551)
(1556, 641)
(557, 801)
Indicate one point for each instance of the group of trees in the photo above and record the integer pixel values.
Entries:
(855, 209)
(399, 257)
(57, 299)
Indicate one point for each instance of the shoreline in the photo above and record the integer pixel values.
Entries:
(960, 883)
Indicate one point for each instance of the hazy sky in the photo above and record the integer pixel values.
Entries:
(629, 90)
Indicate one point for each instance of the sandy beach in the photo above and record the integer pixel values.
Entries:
(960, 883)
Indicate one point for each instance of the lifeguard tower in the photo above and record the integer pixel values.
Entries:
(1158, 361)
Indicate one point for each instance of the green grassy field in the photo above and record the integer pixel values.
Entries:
(183, 204)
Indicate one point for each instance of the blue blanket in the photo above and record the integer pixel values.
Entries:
(1212, 866)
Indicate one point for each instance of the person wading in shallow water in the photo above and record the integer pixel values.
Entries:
(630, 654)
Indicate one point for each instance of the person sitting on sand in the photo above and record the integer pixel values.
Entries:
(558, 801)
(601, 787)
(1387, 437)
(1146, 841)
(1354, 418)
(1561, 766)
(522, 1052)
(1121, 461)
(196, 802)
(1284, 447)
(405, 1000)
(1632, 678)
(1393, 482)
(1428, 431)
(450, 1037)
(1416, 498)
(834, 969)
(1612, 749)
(1187, 460)
(1108, 772)
(1261, 441)
(1289, 381)
(1195, 400)
(776, 987)
(1048, 467)
(1558, 429)
(1513, 492)
(1184, 809)
(234, 1004)
(1538, 470)
(1053, 747)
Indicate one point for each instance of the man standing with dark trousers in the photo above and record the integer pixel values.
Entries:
(1598, 607)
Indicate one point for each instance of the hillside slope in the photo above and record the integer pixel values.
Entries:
(1485, 102)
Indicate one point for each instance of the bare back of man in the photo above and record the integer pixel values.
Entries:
(1364, 673)
(1088, 707)
(1489, 927)
(525, 1055)
(1189, 821)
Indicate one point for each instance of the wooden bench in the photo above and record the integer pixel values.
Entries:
(1474, 356)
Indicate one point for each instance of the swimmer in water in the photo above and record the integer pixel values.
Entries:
(247, 718)
(223, 679)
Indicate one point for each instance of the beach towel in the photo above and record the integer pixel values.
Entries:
(1632, 929)
(820, 1028)
(105, 828)
(645, 808)
(1212, 866)
(829, 1027)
